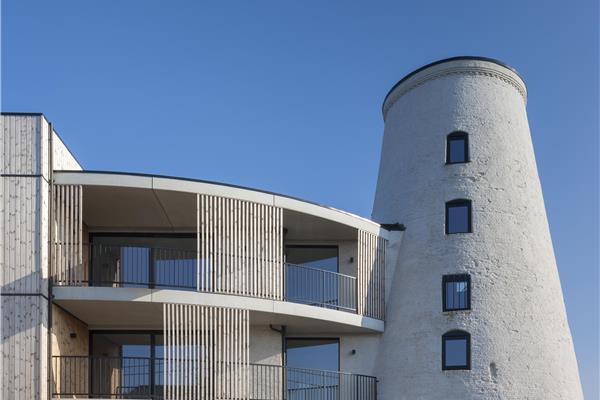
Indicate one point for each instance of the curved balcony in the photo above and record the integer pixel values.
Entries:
(144, 378)
(123, 231)
(163, 268)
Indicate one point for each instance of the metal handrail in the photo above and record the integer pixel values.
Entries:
(319, 287)
(324, 271)
(163, 267)
(140, 377)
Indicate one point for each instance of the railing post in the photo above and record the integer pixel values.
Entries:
(90, 260)
(90, 374)
(284, 382)
(151, 277)
(285, 285)
(356, 294)
(323, 288)
(152, 365)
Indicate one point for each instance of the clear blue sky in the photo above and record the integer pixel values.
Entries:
(286, 96)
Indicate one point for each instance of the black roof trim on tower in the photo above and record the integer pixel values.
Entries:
(477, 58)
(33, 114)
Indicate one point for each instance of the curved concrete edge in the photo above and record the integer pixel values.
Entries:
(162, 296)
(139, 181)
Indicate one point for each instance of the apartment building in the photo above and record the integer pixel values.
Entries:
(134, 286)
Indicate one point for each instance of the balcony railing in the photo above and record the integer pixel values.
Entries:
(319, 287)
(138, 266)
(287, 383)
(142, 378)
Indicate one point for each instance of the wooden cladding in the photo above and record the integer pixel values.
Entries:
(371, 275)
(67, 253)
(206, 352)
(240, 247)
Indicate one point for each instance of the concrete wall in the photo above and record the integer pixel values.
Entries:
(348, 250)
(364, 360)
(265, 345)
(521, 343)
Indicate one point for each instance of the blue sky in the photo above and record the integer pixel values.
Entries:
(286, 96)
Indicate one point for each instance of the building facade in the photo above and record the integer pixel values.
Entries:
(119, 285)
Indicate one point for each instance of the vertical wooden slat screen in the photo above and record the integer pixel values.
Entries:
(240, 245)
(67, 257)
(206, 352)
(371, 275)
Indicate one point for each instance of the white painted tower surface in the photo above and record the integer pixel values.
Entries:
(521, 346)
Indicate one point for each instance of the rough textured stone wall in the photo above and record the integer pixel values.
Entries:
(521, 343)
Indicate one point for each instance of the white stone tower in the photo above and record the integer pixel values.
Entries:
(520, 342)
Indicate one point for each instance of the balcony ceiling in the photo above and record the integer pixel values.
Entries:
(126, 202)
(108, 208)
(133, 209)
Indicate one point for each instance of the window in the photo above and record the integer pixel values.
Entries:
(303, 354)
(314, 256)
(456, 350)
(313, 353)
(456, 292)
(458, 216)
(166, 260)
(457, 148)
(120, 362)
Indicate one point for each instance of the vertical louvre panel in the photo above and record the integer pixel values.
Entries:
(371, 275)
(206, 354)
(240, 247)
(67, 260)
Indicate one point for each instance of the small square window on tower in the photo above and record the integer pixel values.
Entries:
(458, 216)
(456, 292)
(457, 148)
(456, 350)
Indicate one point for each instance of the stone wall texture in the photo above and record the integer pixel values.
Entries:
(521, 343)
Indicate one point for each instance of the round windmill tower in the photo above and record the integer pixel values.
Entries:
(476, 309)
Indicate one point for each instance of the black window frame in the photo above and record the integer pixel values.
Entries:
(457, 135)
(315, 338)
(454, 335)
(457, 203)
(316, 246)
(456, 278)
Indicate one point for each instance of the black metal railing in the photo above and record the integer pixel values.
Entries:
(319, 287)
(142, 378)
(107, 377)
(141, 266)
(273, 382)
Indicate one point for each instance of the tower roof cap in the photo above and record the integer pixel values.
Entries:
(449, 60)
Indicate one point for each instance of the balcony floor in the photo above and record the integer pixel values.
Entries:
(140, 308)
